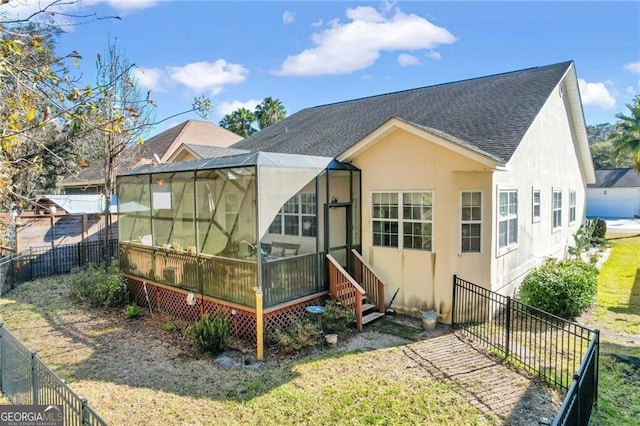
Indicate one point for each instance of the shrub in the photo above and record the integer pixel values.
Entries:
(337, 318)
(133, 310)
(302, 333)
(212, 334)
(600, 229)
(99, 286)
(564, 288)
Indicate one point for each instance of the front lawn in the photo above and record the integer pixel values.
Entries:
(617, 315)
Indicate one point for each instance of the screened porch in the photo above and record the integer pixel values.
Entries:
(227, 227)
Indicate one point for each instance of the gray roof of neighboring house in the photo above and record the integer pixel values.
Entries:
(490, 114)
(616, 178)
(78, 203)
(206, 151)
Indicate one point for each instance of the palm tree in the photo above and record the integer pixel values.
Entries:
(269, 111)
(626, 135)
(239, 122)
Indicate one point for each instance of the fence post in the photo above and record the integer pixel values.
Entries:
(576, 378)
(34, 378)
(596, 368)
(84, 413)
(453, 303)
(31, 262)
(507, 339)
(2, 367)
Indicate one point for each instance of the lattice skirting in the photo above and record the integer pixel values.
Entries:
(243, 323)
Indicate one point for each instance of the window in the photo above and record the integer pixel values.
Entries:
(535, 203)
(572, 206)
(471, 221)
(557, 208)
(297, 217)
(402, 220)
(507, 218)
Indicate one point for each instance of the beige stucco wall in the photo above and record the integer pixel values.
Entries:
(545, 160)
(402, 161)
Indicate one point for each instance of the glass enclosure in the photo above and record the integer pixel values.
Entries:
(223, 227)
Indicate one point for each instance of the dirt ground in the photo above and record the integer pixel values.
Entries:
(89, 347)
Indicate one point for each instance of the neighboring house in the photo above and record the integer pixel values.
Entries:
(615, 194)
(483, 178)
(166, 146)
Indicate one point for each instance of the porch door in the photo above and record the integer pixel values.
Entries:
(339, 236)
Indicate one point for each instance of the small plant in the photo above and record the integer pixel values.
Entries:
(587, 236)
(212, 334)
(133, 310)
(337, 318)
(565, 288)
(170, 326)
(600, 230)
(99, 286)
(300, 334)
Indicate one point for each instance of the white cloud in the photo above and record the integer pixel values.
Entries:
(208, 75)
(630, 90)
(435, 55)
(596, 94)
(406, 60)
(288, 17)
(228, 107)
(347, 47)
(633, 67)
(151, 78)
(317, 23)
(367, 77)
(124, 6)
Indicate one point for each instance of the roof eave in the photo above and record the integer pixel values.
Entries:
(433, 135)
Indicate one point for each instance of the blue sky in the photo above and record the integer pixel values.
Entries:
(313, 53)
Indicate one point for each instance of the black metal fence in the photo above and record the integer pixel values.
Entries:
(563, 353)
(26, 380)
(46, 261)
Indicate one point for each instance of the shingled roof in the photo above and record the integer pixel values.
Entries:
(163, 145)
(490, 114)
(616, 178)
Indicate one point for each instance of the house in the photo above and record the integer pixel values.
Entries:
(482, 178)
(167, 146)
(615, 194)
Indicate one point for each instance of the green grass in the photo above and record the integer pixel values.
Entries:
(618, 302)
(617, 314)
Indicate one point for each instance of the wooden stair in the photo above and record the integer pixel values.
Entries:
(369, 313)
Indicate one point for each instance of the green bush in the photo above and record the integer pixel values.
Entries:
(600, 229)
(337, 318)
(100, 286)
(302, 333)
(212, 334)
(564, 288)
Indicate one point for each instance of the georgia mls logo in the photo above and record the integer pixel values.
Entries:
(31, 415)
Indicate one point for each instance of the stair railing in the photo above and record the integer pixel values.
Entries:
(369, 280)
(345, 289)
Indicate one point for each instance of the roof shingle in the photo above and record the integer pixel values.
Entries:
(490, 113)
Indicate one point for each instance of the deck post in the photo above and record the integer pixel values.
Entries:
(259, 325)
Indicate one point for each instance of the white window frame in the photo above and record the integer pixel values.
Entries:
(556, 211)
(572, 206)
(401, 220)
(472, 221)
(536, 217)
(509, 219)
(298, 214)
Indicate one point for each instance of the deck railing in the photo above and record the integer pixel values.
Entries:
(369, 280)
(345, 289)
(233, 280)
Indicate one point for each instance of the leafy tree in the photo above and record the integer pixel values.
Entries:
(626, 136)
(269, 111)
(603, 151)
(239, 122)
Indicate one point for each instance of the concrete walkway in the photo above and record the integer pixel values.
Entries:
(623, 225)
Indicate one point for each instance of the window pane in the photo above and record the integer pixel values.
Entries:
(466, 198)
(291, 225)
(513, 231)
(502, 234)
(466, 213)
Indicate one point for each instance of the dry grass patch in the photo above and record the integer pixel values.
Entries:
(138, 372)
